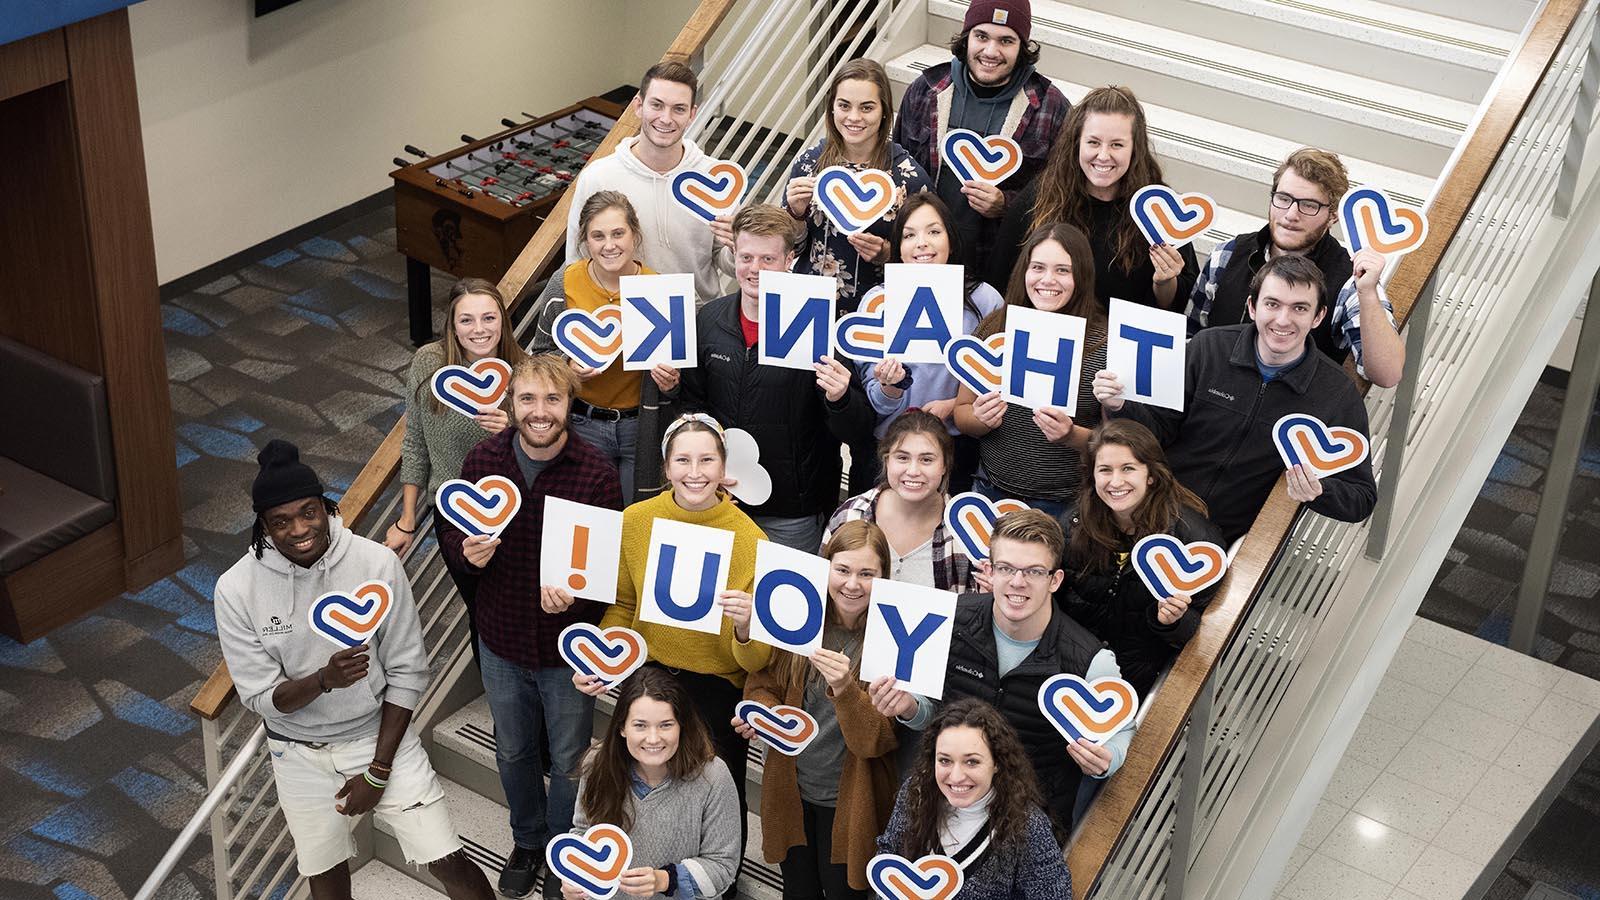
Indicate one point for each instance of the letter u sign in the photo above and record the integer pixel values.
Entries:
(686, 569)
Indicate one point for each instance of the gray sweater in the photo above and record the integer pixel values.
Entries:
(263, 608)
(436, 441)
(693, 823)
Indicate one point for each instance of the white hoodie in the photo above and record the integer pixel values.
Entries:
(674, 239)
(263, 608)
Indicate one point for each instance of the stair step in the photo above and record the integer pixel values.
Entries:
(463, 749)
(482, 826)
(1398, 125)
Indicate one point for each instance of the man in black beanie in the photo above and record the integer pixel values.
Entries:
(327, 715)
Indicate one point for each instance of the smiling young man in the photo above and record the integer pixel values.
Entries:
(1006, 644)
(338, 721)
(798, 418)
(1301, 212)
(671, 237)
(990, 87)
(1239, 381)
(528, 686)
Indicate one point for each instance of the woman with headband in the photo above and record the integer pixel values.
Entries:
(711, 667)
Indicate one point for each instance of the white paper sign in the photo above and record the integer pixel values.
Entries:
(796, 319)
(580, 548)
(1146, 348)
(686, 569)
(921, 310)
(789, 602)
(1043, 353)
(658, 321)
(908, 636)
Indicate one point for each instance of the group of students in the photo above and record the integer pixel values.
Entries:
(982, 775)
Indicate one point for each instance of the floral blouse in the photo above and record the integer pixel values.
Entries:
(827, 251)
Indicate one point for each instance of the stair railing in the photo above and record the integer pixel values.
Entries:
(1193, 771)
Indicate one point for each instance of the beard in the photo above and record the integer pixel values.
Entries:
(548, 439)
(1304, 240)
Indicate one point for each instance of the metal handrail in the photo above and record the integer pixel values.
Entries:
(191, 830)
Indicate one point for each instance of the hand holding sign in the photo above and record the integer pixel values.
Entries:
(908, 636)
(786, 729)
(467, 389)
(973, 157)
(1305, 440)
(351, 619)
(712, 193)
(593, 861)
(484, 507)
(1082, 709)
(851, 200)
(1149, 347)
(1373, 219)
(1169, 567)
(1164, 217)
(591, 339)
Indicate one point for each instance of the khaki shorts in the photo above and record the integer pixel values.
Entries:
(413, 803)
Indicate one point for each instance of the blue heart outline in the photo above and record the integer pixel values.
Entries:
(962, 375)
(880, 867)
(835, 214)
(702, 178)
(1168, 198)
(958, 166)
(1386, 221)
(558, 333)
(341, 599)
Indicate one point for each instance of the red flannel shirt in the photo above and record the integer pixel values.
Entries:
(510, 620)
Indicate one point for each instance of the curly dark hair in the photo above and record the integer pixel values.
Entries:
(258, 531)
(1015, 787)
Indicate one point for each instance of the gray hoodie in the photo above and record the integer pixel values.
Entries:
(263, 608)
(673, 239)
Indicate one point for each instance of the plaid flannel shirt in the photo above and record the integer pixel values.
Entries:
(952, 571)
(1345, 310)
(509, 618)
(916, 127)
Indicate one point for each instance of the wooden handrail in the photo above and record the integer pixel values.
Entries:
(1157, 738)
(535, 259)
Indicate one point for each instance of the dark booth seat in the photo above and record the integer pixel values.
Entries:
(57, 479)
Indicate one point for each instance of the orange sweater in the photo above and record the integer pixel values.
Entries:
(612, 388)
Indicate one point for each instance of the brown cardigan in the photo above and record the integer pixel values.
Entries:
(867, 779)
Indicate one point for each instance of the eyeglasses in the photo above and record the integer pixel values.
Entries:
(1308, 207)
(1006, 571)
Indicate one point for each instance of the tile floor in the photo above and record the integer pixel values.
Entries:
(1459, 740)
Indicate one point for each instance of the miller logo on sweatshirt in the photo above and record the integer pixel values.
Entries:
(277, 627)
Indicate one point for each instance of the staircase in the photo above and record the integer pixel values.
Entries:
(1231, 87)
(463, 755)
(1224, 772)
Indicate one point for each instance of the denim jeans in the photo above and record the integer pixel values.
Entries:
(616, 441)
(803, 533)
(1056, 509)
(524, 702)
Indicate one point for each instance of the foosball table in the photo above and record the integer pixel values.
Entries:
(470, 211)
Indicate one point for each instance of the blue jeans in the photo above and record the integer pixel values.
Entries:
(803, 533)
(522, 702)
(1056, 509)
(615, 441)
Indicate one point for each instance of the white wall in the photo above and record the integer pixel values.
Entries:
(255, 126)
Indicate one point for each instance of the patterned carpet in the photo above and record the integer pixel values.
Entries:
(305, 338)
(100, 760)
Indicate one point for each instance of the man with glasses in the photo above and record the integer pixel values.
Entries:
(1006, 644)
(1301, 211)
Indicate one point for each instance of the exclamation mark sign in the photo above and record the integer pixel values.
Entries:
(580, 557)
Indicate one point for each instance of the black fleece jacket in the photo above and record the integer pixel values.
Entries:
(797, 429)
(1221, 445)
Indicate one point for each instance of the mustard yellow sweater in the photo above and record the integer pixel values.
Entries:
(678, 648)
